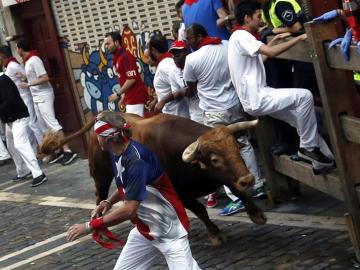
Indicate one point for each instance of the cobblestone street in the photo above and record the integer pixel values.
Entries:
(308, 233)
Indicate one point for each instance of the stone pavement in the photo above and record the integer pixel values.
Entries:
(308, 233)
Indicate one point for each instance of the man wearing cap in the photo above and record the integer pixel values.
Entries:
(150, 202)
(159, 55)
(206, 72)
(179, 49)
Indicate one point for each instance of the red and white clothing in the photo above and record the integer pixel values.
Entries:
(162, 87)
(208, 67)
(43, 94)
(126, 69)
(192, 104)
(292, 105)
(161, 221)
(12, 67)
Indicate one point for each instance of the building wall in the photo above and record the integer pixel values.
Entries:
(87, 21)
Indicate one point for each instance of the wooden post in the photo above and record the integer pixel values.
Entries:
(339, 98)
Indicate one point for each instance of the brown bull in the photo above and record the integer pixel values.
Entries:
(211, 157)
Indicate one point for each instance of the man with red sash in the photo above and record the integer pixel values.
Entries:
(150, 202)
(131, 84)
(292, 105)
(206, 72)
(43, 96)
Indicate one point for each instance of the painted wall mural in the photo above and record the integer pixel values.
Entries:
(99, 79)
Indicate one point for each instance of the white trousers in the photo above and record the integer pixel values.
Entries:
(4, 154)
(35, 128)
(295, 106)
(45, 114)
(140, 253)
(135, 109)
(19, 146)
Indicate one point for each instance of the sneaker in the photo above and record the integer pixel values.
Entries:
(38, 180)
(232, 208)
(211, 201)
(68, 158)
(21, 178)
(58, 158)
(258, 192)
(316, 157)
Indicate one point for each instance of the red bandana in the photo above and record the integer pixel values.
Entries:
(239, 27)
(190, 2)
(209, 41)
(163, 56)
(103, 236)
(31, 54)
(10, 59)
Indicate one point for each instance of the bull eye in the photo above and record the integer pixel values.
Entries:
(215, 160)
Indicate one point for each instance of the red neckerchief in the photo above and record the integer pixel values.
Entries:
(190, 2)
(239, 27)
(118, 52)
(209, 41)
(31, 54)
(163, 56)
(10, 59)
(107, 239)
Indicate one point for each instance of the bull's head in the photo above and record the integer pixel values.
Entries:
(217, 151)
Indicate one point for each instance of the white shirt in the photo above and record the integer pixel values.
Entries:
(208, 67)
(163, 87)
(247, 69)
(177, 82)
(12, 69)
(34, 68)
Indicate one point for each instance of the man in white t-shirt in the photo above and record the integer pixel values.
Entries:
(179, 49)
(12, 68)
(158, 52)
(292, 105)
(206, 71)
(43, 96)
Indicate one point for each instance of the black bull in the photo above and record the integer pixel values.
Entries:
(168, 136)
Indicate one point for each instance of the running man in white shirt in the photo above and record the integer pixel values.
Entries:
(11, 68)
(292, 105)
(43, 96)
(206, 71)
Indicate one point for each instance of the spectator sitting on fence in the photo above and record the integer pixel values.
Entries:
(292, 105)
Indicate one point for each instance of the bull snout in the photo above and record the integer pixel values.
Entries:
(245, 182)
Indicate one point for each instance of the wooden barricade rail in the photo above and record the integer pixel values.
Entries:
(341, 106)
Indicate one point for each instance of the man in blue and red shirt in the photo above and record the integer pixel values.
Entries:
(132, 86)
(150, 202)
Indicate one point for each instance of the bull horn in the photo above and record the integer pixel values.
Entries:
(190, 151)
(142, 54)
(242, 125)
(103, 60)
(85, 56)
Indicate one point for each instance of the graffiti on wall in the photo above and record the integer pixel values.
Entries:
(99, 79)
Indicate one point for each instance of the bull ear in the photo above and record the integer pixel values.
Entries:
(190, 152)
(242, 125)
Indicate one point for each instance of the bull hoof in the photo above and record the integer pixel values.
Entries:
(258, 217)
(218, 239)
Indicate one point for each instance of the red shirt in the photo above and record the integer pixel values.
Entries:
(125, 66)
